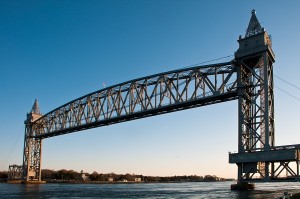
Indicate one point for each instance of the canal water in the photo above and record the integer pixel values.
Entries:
(145, 190)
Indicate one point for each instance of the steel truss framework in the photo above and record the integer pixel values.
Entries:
(144, 97)
(256, 112)
(256, 105)
(257, 157)
(32, 155)
(248, 78)
(15, 172)
(280, 163)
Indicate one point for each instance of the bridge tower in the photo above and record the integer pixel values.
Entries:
(32, 147)
(254, 60)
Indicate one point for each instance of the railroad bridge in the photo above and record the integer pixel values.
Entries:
(248, 78)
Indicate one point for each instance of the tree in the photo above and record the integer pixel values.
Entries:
(3, 174)
(94, 176)
(47, 174)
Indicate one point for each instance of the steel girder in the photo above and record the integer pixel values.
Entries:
(143, 97)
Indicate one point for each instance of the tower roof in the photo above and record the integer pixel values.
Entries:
(254, 26)
(35, 108)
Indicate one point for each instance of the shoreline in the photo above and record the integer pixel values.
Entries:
(105, 182)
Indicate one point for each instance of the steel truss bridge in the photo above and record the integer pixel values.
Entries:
(248, 78)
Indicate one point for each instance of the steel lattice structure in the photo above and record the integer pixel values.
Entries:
(15, 172)
(248, 78)
(144, 97)
(256, 105)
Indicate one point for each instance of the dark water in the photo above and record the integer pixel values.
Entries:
(158, 190)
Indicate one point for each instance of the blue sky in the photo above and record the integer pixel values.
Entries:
(60, 50)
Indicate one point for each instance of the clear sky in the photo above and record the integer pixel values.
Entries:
(60, 50)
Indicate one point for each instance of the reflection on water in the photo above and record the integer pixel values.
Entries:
(156, 190)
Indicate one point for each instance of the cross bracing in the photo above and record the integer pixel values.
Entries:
(143, 97)
(257, 82)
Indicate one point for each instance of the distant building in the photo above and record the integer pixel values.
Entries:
(137, 179)
(84, 177)
(110, 179)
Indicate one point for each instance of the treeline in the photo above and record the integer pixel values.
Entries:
(115, 177)
(101, 177)
(62, 174)
(71, 175)
(3, 176)
(190, 178)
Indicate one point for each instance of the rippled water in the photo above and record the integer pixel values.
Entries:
(143, 190)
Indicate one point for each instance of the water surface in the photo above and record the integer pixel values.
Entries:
(145, 190)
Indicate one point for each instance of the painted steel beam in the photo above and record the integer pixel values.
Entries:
(265, 156)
